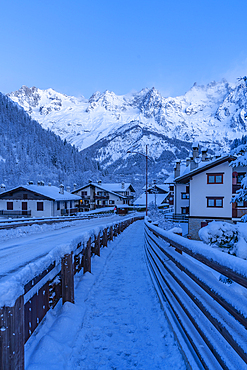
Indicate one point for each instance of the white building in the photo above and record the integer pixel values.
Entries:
(206, 193)
(98, 195)
(37, 201)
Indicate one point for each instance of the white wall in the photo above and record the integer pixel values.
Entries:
(179, 203)
(200, 190)
(31, 205)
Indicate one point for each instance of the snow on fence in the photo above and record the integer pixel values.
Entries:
(30, 293)
(204, 294)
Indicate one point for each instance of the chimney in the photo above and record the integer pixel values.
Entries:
(195, 149)
(30, 182)
(38, 183)
(49, 183)
(204, 154)
(2, 188)
(90, 181)
(42, 183)
(68, 189)
(75, 185)
(61, 189)
(99, 182)
(122, 185)
(177, 168)
(187, 162)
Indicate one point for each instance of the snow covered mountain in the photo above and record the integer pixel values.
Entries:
(107, 125)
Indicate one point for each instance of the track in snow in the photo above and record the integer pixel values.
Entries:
(124, 326)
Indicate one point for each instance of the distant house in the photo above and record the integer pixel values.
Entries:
(157, 196)
(37, 201)
(204, 191)
(99, 195)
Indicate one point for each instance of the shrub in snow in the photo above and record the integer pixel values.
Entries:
(221, 234)
(230, 238)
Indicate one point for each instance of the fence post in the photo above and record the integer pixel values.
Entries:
(111, 233)
(12, 336)
(105, 238)
(87, 257)
(97, 245)
(67, 276)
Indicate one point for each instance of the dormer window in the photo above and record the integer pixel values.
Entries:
(214, 178)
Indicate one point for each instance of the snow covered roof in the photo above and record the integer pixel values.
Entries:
(50, 192)
(116, 187)
(109, 188)
(202, 166)
(163, 187)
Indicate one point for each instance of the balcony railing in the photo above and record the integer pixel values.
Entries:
(235, 188)
(15, 213)
(69, 211)
(239, 212)
(101, 197)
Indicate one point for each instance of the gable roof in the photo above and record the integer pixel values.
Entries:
(49, 192)
(106, 188)
(203, 166)
(141, 201)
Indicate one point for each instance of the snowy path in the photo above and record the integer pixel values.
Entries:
(121, 324)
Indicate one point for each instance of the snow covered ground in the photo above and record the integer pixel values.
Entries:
(116, 321)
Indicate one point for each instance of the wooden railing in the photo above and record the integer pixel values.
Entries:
(42, 292)
(204, 295)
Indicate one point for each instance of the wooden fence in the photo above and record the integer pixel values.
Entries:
(204, 295)
(17, 323)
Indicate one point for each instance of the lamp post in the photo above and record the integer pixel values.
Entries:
(146, 156)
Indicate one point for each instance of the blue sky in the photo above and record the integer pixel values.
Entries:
(79, 47)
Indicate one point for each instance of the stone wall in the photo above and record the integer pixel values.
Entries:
(195, 225)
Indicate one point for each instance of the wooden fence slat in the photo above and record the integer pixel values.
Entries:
(12, 336)
(87, 257)
(97, 245)
(67, 276)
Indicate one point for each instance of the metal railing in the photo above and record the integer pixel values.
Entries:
(208, 316)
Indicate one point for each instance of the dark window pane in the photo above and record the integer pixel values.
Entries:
(40, 206)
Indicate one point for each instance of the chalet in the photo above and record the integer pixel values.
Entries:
(205, 189)
(157, 196)
(98, 195)
(37, 201)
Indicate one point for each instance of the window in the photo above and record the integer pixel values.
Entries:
(71, 204)
(111, 201)
(84, 193)
(215, 202)
(240, 177)
(184, 210)
(10, 206)
(240, 203)
(185, 196)
(40, 206)
(58, 206)
(215, 178)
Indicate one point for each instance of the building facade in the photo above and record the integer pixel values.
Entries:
(37, 201)
(98, 195)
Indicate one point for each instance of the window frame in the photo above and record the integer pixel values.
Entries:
(39, 208)
(215, 199)
(10, 206)
(215, 175)
(185, 195)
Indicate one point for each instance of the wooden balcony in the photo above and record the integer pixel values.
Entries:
(239, 212)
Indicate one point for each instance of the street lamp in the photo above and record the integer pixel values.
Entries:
(146, 156)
